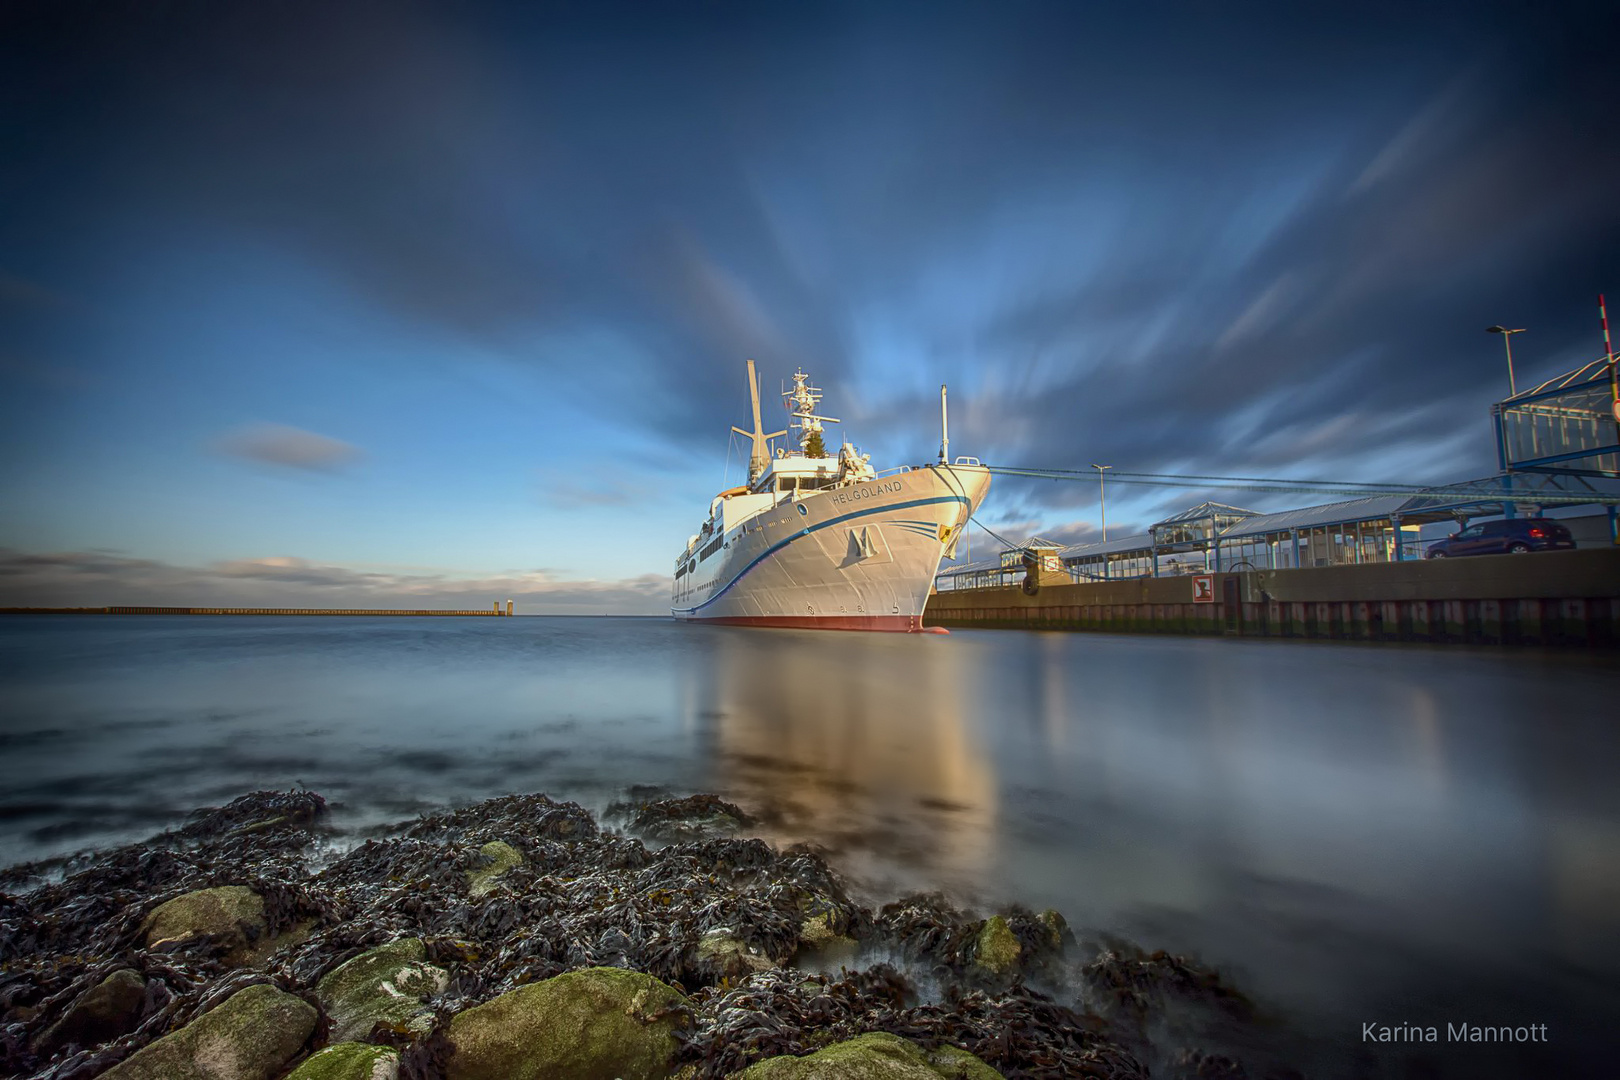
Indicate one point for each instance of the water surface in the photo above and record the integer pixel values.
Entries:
(1398, 835)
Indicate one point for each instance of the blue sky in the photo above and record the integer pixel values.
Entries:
(429, 305)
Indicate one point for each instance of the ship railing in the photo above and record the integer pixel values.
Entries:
(913, 468)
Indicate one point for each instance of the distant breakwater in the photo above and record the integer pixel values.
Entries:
(494, 612)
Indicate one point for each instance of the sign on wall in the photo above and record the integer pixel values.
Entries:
(1204, 589)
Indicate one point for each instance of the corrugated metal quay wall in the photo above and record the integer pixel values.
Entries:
(1545, 598)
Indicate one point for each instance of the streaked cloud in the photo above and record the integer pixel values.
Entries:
(289, 447)
(1242, 243)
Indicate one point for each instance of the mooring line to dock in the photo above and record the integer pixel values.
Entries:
(1337, 488)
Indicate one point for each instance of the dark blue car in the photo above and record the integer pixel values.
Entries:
(1511, 537)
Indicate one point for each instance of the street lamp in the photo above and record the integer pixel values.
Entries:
(1102, 498)
(1507, 339)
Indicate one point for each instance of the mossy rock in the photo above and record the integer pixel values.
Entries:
(388, 984)
(500, 857)
(595, 1024)
(1056, 927)
(996, 949)
(350, 1061)
(723, 955)
(235, 912)
(107, 1010)
(251, 1036)
(817, 936)
(874, 1056)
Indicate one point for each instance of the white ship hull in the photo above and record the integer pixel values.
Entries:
(857, 557)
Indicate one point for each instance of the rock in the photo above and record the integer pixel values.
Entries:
(874, 1056)
(720, 954)
(1056, 926)
(107, 1010)
(595, 1024)
(388, 984)
(817, 935)
(501, 857)
(235, 912)
(251, 1036)
(350, 1061)
(696, 817)
(1197, 1065)
(996, 949)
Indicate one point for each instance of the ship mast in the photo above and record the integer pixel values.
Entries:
(801, 402)
(760, 458)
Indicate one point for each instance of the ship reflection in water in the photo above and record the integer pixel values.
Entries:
(868, 751)
(1407, 836)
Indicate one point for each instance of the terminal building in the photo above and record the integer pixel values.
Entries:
(1557, 443)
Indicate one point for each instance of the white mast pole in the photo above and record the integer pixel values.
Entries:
(945, 429)
(760, 458)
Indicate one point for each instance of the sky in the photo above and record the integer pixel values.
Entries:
(427, 305)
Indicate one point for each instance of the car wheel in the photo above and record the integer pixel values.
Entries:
(1437, 554)
(1518, 549)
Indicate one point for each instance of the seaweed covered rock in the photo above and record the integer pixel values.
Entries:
(996, 949)
(251, 1036)
(386, 985)
(1129, 985)
(696, 817)
(596, 1024)
(722, 955)
(875, 1056)
(350, 1061)
(1056, 927)
(257, 812)
(498, 857)
(232, 914)
(818, 937)
(510, 984)
(107, 1010)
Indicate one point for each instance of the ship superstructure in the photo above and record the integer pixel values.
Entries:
(820, 539)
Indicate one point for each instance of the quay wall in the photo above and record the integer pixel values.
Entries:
(1544, 598)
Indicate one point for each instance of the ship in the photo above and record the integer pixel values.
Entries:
(819, 539)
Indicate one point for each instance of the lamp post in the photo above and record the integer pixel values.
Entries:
(1507, 339)
(1102, 498)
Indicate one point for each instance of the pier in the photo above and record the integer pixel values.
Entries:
(1547, 598)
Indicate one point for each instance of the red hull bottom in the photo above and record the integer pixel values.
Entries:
(899, 624)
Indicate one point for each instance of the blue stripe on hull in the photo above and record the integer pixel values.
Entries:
(829, 523)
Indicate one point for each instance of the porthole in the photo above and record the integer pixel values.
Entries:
(803, 510)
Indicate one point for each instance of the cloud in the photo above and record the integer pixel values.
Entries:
(98, 579)
(289, 447)
(590, 487)
(1254, 241)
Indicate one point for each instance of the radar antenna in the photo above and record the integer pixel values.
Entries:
(801, 402)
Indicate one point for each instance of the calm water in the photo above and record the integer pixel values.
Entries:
(1397, 835)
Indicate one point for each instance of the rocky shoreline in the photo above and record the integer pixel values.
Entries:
(519, 938)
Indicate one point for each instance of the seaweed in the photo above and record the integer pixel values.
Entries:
(581, 897)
